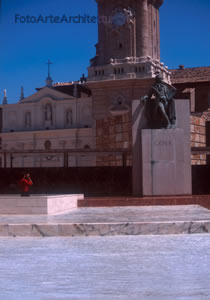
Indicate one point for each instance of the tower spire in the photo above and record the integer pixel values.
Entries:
(5, 97)
(22, 93)
(49, 80)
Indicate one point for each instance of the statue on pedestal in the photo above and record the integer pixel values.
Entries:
(160, 105)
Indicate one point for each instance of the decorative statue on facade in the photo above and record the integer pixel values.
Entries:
(48, 112)
(69, 120)
(28, 120)
(160, 105)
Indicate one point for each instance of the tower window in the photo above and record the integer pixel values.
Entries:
(86, 147)
(115, 71)
(102, 72)
(96, 73)
(118, 71)
(47, 145)
(136, 69)
(120, 45)
(122, 70)
(139, 69)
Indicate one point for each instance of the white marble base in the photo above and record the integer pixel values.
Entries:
(166, 165)
(146, 220)
(38, 204)
(104, 229)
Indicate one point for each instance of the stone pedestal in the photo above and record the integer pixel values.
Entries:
(161, 157)
(165, 163)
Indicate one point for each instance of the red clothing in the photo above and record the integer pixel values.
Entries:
(25, 183)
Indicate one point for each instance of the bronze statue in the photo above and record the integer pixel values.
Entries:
(160, 105)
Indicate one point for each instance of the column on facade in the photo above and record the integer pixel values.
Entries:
(142, 28)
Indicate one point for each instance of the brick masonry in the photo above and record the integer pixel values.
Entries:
(111, 134)
(115, 133)
(198, 138)
(138, 37)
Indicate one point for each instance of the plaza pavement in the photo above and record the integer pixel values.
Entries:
(109, 221)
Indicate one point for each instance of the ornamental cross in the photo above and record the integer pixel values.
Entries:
(49, 63)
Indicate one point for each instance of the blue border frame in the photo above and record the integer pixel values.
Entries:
(0, 10)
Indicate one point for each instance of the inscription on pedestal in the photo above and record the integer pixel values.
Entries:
(162, 143)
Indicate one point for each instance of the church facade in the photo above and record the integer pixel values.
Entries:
(47, 120)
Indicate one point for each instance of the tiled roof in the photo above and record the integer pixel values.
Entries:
(185, 75)
(68, 87)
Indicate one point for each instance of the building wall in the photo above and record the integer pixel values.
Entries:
(198, 138)
(14, 115)
(48, 140)
(47, 120)
(113, 133)
(202, 94)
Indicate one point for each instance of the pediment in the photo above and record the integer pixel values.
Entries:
(47, 93)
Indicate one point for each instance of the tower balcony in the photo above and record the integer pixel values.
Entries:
(129, 68)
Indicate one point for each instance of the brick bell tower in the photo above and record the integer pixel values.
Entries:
(126, 63)
(128, 41)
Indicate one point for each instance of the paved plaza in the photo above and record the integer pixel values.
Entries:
(110, 221)
(172, 267)
(117, 214)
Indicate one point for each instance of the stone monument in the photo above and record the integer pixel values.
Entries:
(161, 143)
(125, 66)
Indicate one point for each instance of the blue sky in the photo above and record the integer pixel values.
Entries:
(25, 48)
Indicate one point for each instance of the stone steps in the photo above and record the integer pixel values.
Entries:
(202, 200)
(104, 229)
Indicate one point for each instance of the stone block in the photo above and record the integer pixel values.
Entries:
(38, 205)
(165, 166)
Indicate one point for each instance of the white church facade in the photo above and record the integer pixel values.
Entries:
(47, 120)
